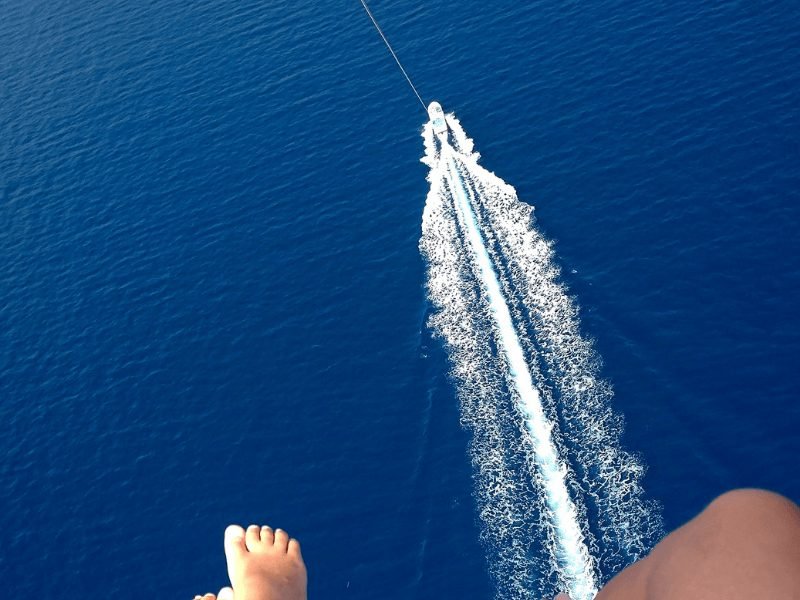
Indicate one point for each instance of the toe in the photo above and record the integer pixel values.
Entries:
(225, 593)
(294, 548)
(253, 537)
(209, 597)
(267, 535)
(234, 542)
(281, 539)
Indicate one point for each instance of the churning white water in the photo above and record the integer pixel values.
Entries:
(560, 503)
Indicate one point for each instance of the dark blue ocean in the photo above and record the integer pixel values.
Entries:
(212, 302)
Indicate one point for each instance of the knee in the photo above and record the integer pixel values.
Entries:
(745, 540)
(751, 499)
(748, 507)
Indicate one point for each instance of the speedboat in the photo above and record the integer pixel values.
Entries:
(436, 114)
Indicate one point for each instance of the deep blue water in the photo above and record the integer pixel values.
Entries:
(211, 297)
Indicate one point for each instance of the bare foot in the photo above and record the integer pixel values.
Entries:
(225, 593)
(263, 565)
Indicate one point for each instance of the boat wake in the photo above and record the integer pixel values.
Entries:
(560, 502)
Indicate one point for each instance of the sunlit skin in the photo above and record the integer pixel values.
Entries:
(262, 565)
(744, 545)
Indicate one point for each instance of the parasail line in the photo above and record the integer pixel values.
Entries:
(397, 60)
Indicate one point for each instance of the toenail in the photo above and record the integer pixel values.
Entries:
(234, 532)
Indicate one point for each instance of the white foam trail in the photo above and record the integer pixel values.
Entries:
(572, 555)
(544, 443)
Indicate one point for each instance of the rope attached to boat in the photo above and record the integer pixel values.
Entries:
(397, 60)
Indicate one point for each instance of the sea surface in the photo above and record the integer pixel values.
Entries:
(212, 298)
